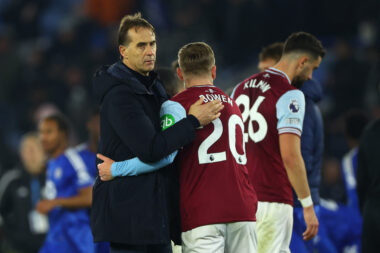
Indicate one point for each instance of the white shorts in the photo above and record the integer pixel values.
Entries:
(221, 238)
(176, 248)
(274, 227)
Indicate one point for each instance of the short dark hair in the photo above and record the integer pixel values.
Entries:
(128, 22)
(196, 58)
(304, 42)
(272, 51)
(61, 120)
(354, 123)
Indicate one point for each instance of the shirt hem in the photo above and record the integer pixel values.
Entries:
(218, 221)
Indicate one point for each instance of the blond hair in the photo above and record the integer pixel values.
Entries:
(196, 58)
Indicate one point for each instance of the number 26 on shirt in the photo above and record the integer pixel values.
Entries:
(252, 114)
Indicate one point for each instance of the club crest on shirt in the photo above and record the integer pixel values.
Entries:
(210, 90)
(294, 107)
(58, 173)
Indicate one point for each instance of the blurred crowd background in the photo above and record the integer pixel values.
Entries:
(49, 51)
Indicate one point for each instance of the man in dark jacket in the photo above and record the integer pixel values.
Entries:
(132, 212)
(368, 186)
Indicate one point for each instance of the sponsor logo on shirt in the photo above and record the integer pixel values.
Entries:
(167, 120)
(292, 121)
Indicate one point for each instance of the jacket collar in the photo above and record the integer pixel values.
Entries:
(124, 74)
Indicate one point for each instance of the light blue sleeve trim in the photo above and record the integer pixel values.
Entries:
(290, 109)
(135, 167)
(171, 112)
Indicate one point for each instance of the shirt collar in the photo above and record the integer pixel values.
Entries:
(278, 72)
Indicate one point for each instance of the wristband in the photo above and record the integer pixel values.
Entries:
(306, 202)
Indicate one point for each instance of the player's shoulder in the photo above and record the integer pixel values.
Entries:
(171, 106)
(263, 80)
(61, 160)
(83, 150)
(245, 81)
(181, 95)
(72, 158)
(83, 147)
(191, 94)
(293, 100)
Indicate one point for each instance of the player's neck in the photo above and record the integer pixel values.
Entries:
(196, 81)
(59, 150)
(287, 67)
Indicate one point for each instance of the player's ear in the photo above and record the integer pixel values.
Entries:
(123, 51)
(302, 61)
(213, 72)
(179, 74)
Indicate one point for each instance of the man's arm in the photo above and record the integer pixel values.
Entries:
(109, 169)
(137, 132)
(290, 149)
(171, 112)
(294, 164)
(290, 110)
(82, 200)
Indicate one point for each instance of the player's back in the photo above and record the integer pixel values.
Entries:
(267, 102)
(214, 181)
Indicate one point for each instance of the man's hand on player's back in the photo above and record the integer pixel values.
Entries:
(205, 113)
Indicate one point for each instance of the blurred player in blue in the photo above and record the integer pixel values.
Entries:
(68, 192)
(87, 151)
(312, 150)
(344, 221)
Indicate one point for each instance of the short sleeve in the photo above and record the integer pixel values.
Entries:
(290, 109)
(171, 112)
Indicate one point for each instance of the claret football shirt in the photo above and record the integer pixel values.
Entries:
(214, 183)
(270, 106)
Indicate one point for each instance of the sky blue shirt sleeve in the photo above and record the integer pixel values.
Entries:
(170, 113)
(290, 109)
